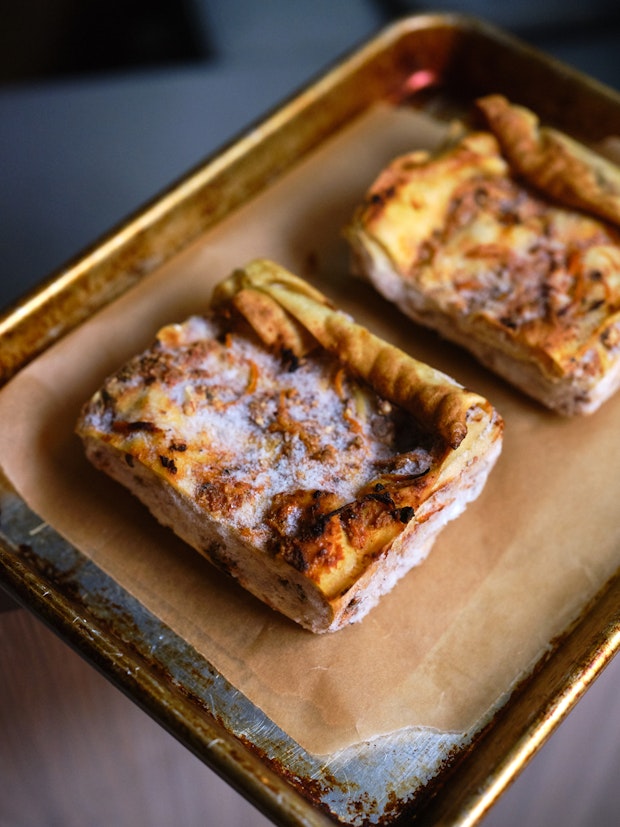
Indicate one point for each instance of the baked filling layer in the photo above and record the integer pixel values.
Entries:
(280, 461)
(464, 243)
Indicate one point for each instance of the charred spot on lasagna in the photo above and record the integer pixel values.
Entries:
(304, 478)
(507, 243)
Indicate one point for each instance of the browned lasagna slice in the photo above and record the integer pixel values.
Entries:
(312, 461)
(479, 246)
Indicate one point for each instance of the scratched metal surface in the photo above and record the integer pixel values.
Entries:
(398, 779)
(363, 785)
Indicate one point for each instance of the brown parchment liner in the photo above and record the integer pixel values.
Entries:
(452, 638)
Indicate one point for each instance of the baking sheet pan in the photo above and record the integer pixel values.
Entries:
(432, 65)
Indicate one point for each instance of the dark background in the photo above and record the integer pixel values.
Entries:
(46, 39)
(102, 104)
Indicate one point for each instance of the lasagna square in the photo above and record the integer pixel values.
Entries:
(295, 450)
(506, 242)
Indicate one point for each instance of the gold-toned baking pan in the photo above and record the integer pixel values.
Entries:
(283, 189)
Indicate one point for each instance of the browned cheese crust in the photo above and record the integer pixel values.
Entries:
(552, 162)
(276, 436)
(478, 246)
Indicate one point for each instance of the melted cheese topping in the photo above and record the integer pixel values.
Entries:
(480, 245)
(248, 438)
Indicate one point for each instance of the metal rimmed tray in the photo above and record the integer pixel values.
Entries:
(436, 63)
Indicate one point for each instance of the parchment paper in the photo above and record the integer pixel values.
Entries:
(450, 640)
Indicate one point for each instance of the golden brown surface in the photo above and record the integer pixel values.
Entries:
(477, 246)
(310, 457)
(553, 162)
(267, 290)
